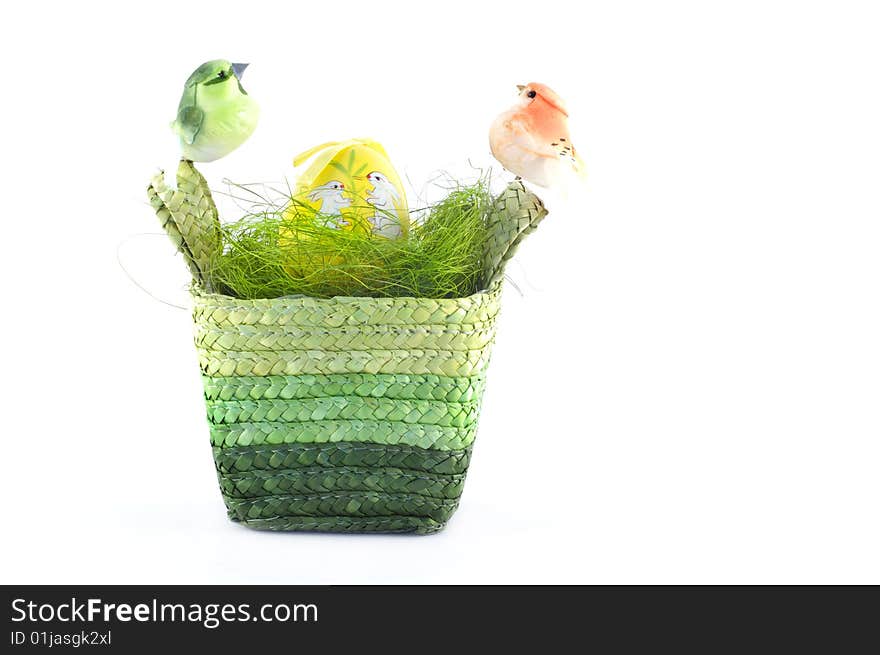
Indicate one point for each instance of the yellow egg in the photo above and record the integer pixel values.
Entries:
(354, 181)
(347, 185)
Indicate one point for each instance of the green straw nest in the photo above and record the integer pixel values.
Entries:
(277, 252)
(454, 248)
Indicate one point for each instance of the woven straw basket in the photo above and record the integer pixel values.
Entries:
(340, 414)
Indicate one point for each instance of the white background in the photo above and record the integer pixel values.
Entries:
(686, 392)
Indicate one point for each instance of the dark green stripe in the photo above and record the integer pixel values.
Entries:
(322, 480)
(341, 504)
(381, 524)
(291, 456)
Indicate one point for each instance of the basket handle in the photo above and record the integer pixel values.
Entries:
(189, 217)
(514, 214)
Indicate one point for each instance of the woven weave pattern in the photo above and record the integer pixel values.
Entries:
(189, 216)
(404, 387)
(344, 414)
(234, 460)
(340, 414)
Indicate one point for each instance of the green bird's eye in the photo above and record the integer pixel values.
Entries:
(221, 77)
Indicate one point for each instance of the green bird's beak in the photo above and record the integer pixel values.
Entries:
(238, 70)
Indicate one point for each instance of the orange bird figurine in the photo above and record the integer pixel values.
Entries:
(531, 138)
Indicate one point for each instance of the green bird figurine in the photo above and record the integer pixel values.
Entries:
(215, 115)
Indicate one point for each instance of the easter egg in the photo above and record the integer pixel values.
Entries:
(347, 186)
(352, 185)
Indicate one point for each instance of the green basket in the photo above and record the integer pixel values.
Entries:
(341, 414)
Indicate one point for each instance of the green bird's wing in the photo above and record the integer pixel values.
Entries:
(189, 122)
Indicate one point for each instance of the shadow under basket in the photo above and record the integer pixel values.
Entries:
(343, 414)
(340, 414)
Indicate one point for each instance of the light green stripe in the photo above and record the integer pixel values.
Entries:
(365, 337)
(404, 387)
(431, 412)
(381, 432)
(298, 362)
(334, 312)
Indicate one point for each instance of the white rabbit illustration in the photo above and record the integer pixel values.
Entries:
(330, 194)
(383, 197)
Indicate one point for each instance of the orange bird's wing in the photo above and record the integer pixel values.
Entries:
(521, 134)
